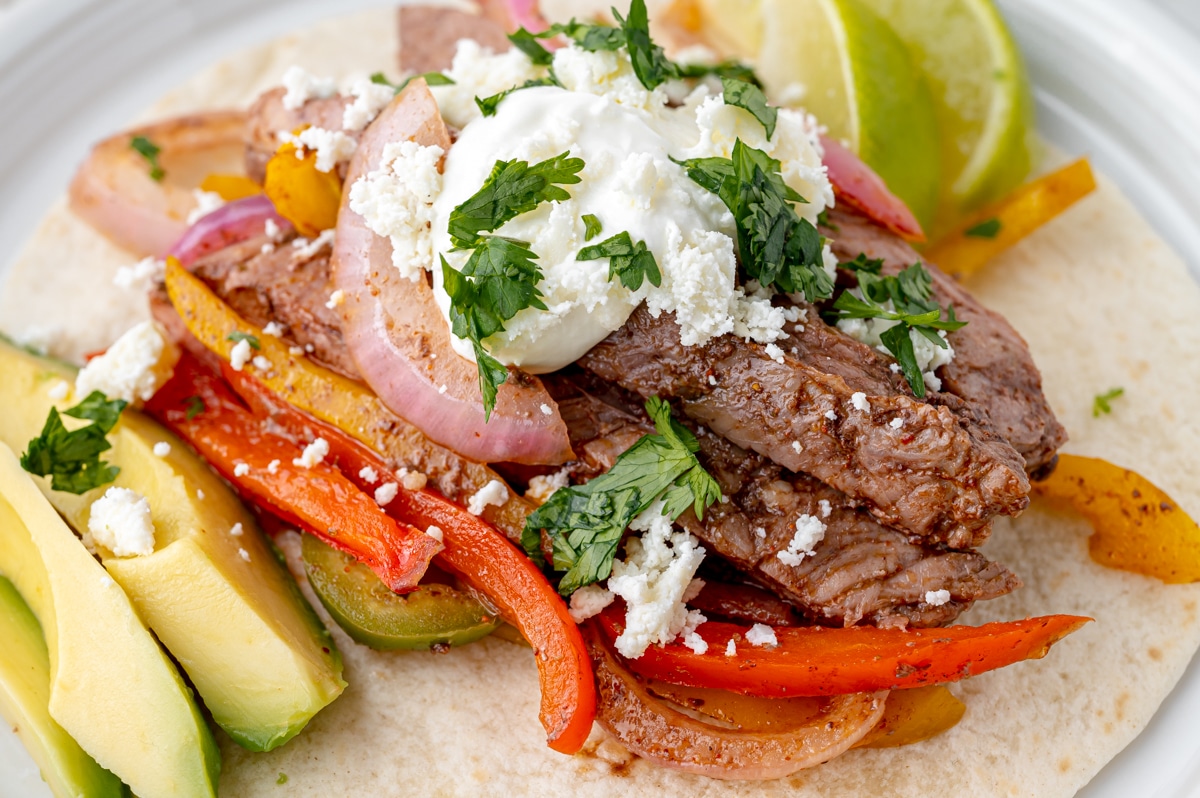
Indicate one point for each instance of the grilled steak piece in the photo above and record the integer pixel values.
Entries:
(267, 118)
(860, 571)
(429, 36)
(916, 467)
(287, 284)
(992, 370)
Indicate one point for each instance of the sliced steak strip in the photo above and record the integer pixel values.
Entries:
(285, 284)
(992, 370)
(429, 36)
(916, 467)
(861, 570)
(267, 118)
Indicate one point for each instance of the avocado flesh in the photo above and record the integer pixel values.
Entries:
(252, 646)
(25, 703)
(111, 687)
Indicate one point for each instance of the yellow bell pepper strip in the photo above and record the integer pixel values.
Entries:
(1137, 527)
(483, 558)
(815, 660)
(912, 716)
(348, 405)
(995, 229)
(272, 472)
(231, 187)
(304, 195)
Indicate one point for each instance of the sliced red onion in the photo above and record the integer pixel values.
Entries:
(232, 223)
(400, 341)
(856, 184)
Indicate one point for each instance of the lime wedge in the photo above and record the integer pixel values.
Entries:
(733, 27)
(842, 62)
(983, 103)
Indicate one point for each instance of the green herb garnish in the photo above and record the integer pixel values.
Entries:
(909, 294)
(1101, 404)
(195, 406)
(650, 63)
(528, 43)
(630, 262)
(513, 188)
(149, 150)
(237, 336)
(775, 245)
(989, 228)
(488, 105)
(586, 522)
(72, 458)
(431, 78)
(751, 98)
(591, 226)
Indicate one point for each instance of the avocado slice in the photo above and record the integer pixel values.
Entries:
(25, 703)
(221, 602)
(111, 687)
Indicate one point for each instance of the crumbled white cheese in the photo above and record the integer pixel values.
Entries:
(476, 72)
(267, 248)
(59, 390)
(688, 634)
(653, 578)
(240, 354)
(760, 532)
(199, 494)
(541, 488)
(368, 475)
(245, 555)
(797, 447)
(237, 530)
(241, 470)
(313, 454)
(295, 351)
(731, 648)
(369, 99)
(302, 87)
(546, 410)
(825, 507)
(858, 400)
(133, 368)
(206, 203)
(608, 74)
(495, 492)
(273, 329)
(936, 598)
(273, 467)
(831, 415)
(306, 248)
(261, 363)
(774, 352)
(412, 480)
(396, 201)
(762, 635)
(385, 493)
(141, 276)
(270, 228)
(896, 423)
(331, 146)
(120, 522)
(41, 338)
(436, 533)
(588, 601)
(162, 449)
(810, 531)
(336, 299)
(929, 356)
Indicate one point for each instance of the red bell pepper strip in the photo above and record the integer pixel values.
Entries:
(857, 186)
(484, 558)
(319, 499)
(818, 661)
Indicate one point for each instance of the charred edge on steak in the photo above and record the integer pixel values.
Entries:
(861, 570)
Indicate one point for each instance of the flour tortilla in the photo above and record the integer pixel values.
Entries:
(1101, 300)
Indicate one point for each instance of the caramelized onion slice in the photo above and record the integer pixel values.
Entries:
(400, 341)
(654, 730)
(114, 193)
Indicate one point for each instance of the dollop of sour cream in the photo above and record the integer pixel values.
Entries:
(629, 139)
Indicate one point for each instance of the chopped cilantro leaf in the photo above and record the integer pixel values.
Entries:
(149, 150)
(513, 188)
(909, 295)
(591, 226)
(586, 522)
(630, 262)
(823, 221)
(650, 63)
(751, 98)
(488, 105)
(72, 458)
(775, 245)
(195, 406)
(734, 70)
(1101, 404)
(430, 78)
(282, 778)
(238, 335)
(988, 228)
(528, 43)
(593, 38)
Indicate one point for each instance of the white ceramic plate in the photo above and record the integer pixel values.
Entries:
(1116, 80)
